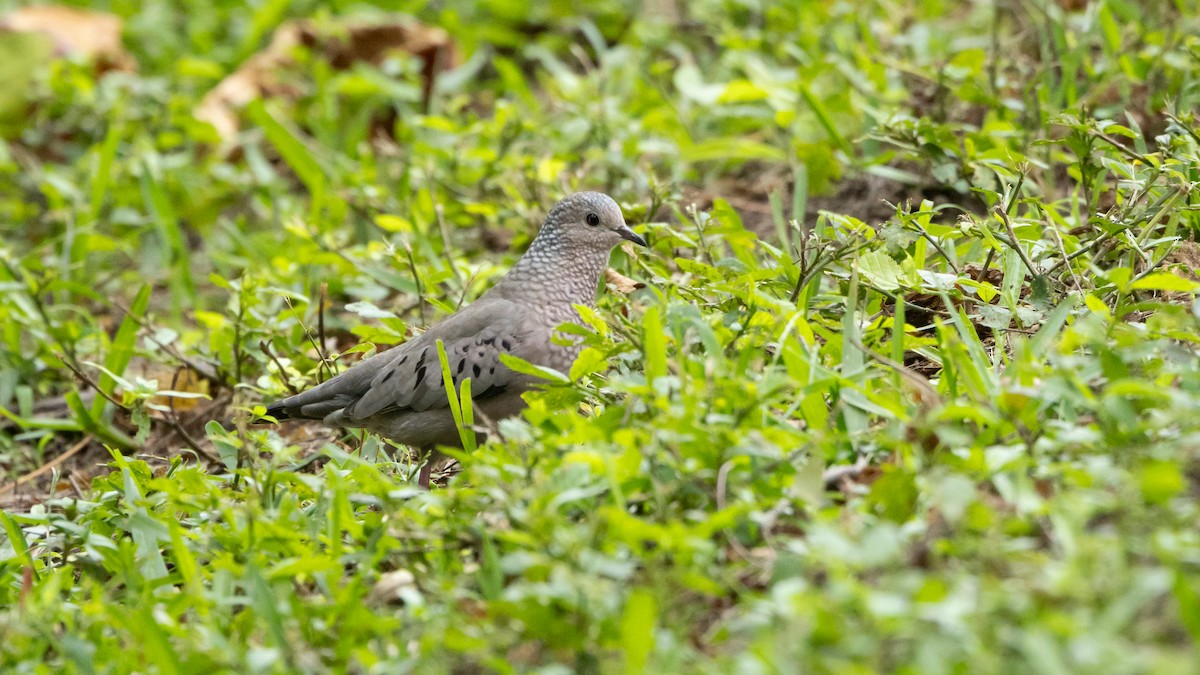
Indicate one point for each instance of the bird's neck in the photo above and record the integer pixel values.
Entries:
(551, 272)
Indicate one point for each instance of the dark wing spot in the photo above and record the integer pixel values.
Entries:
(488, 341)
(387, 376)
(492, 370)
(506, 344)
(421, 361)
(461, 364)
(403, 359)
(420, 373)
(477, 369)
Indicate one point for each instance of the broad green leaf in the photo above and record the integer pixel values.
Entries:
(16, 538)
(638, 623)
(121, 350)
(880, 270)
(731, 148)
(526, 368)
(297, 155)
(590, 360)
(1165, 281)
(654, 344)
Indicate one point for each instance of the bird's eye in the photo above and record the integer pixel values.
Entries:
(593, 219)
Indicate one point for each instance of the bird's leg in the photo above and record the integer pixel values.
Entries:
(423, 477)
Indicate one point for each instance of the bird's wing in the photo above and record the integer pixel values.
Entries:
(473, 339)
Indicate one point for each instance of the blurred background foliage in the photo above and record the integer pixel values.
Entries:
(908, 380)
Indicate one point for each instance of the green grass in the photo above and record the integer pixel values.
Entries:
(912, 383)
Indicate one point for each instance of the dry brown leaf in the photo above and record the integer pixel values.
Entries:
(621, 283)
(183, 380)
(391, 588)
(94, 35)
(342, 46)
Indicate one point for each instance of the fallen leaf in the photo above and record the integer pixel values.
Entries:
(75, 32)
(392, 587)
(187, 381)
(341, 45)
(621, 283)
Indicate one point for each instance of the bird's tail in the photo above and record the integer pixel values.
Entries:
(277, 411)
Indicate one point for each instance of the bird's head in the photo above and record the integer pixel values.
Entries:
(590, 219)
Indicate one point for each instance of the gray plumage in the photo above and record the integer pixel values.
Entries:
(400, 394)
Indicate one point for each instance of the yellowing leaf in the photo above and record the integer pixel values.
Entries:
(742, 91)
(590, 360)
(1096, 305)
(548, 170)
(1160, 481)
(1165, 281)
(591, 458)
(392, 223)
(731, 148)
(210, 320)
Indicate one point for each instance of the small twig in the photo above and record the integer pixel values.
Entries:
(929, 396)
(177, 427)
(171, 351)
(412, 265)
(466, 288)
(1132, 154)
(48, 466)
(1062, 250)
(75, 486)
(818, 266)
(237, 336)
(311, 340)
(1003, 215)
(987, 261)
(191, 442)
(1166, 202)
(493, 429)
(265, 345)
(83, 377)
(694, 216)
(1016, 193)
(321, 320)
(26, 586)
(440, 213)
(929, 237)
(585, 59)
(1187, 128)
(836, 474)
(1104, 236)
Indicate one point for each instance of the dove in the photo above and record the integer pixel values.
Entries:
(400, 394)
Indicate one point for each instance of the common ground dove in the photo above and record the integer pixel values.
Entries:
(400, 394)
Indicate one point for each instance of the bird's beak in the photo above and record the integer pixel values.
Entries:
(630, 235)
